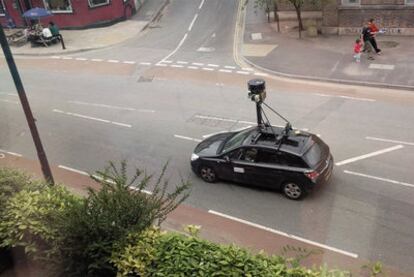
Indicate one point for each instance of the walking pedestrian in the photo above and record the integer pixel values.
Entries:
(366, 37)
(374, 31)
(357, 50)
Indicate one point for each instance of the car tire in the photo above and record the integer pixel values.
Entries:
(293, 190)
(208, 174)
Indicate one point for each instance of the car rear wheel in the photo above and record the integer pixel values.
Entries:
(293, 190)
(208, 174)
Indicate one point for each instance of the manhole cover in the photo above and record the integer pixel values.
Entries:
(387, 44)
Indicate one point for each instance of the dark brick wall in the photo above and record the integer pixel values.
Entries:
(385, 18)
(285, 5)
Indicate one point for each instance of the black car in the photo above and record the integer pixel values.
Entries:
(271, 157)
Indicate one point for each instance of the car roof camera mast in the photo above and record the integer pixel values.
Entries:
(257, 93)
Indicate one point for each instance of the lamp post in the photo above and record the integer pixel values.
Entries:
(47, 173)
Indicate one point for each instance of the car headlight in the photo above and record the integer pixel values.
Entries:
(194, 157)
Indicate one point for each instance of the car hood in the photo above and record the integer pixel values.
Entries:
(211, 145)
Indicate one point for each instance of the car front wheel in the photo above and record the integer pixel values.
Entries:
(293, 190)
(208, 174)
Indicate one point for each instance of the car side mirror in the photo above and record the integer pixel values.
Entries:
(226, 159)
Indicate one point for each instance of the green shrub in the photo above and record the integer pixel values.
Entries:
(154, 253)
(29, 219)
(90, 230)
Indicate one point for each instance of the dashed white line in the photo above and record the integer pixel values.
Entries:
(225, 70)
(192, 67)
(73, 170)
(11, 153)
(101, 105)
(55, 57)
(192, 22)
(261, 74)
(187, 138)
(198, 64)
(12, 94)
(229, 67)
(67, 58)
(347, 97)
(243, 72)
(213, 65)
(9, 101)
(81, 59)
(129, 62)
(145, 63)
(145, 111)
(376, 153)
(350, 254)
(391, 140)
(93, 118)
(97, 60)
(112, 61)
(161, 64)
(201, 4)
(215, 133)
(177, 65)
(224, 119)
(247, 69)
(182, 62)
(379, 178)
(166, 61)
(208, 69)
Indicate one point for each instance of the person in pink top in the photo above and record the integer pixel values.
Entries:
(357, 50)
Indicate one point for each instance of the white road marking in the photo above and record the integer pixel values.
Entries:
(143, 190)
(247, 69)
(347, 97)
(391, 140)
(208, 69)
(12, 94)
(67, 58)
(261, 74)
(129, 62)
(81, 59)
(215, 133)
(376, 153)
(229, 67)
(11, 153)
(101, 105)
(198, 64)
(161, 64)
(350, 254)
(182, 62)
(9, 101)
(176, 49)
(201, 4)
(382, 66)
(55, 57)
(226, 70)
(93, 118)
(192, 22)
(379, 178)
(145, 63)
(213, 65)
(112, 61)
(224, 119)
(97, 60)
(206, 49)
(166, 61)
(177, 65)
(243, 72)
(192, 67)
(256, 36)
(73, 170)
(187, 138)
(145, 111)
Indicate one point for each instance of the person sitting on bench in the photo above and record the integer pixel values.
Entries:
(54, 29)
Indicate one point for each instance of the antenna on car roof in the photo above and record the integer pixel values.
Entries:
(257, 93)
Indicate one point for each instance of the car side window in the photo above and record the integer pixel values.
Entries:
(267, 156)
(294, 161)
(236, 154)
(249, 155)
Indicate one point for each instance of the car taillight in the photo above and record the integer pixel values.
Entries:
(312, 175)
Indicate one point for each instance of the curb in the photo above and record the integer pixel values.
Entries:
(156, 14)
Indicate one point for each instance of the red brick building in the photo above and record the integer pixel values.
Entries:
(70, 13)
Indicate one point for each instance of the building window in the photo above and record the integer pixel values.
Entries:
(353, 2)
(409, 2)
(97, 3)
(2, 9)
(58, 6)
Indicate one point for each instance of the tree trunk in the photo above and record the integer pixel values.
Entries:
(275, 10)
(299, 15)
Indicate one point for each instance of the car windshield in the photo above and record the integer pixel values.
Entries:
(236, 140)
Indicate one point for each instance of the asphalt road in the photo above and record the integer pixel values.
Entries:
(151, 99)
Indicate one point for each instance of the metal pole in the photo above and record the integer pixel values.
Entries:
(259, 113)
(47, 173)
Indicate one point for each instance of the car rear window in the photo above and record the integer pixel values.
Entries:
(314, 155)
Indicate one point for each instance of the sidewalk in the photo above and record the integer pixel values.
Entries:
(97, 38)
(214, 227)
(325, 58)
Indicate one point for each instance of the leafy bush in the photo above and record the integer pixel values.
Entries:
(89, 230)
(29, 219)
(156, 253)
